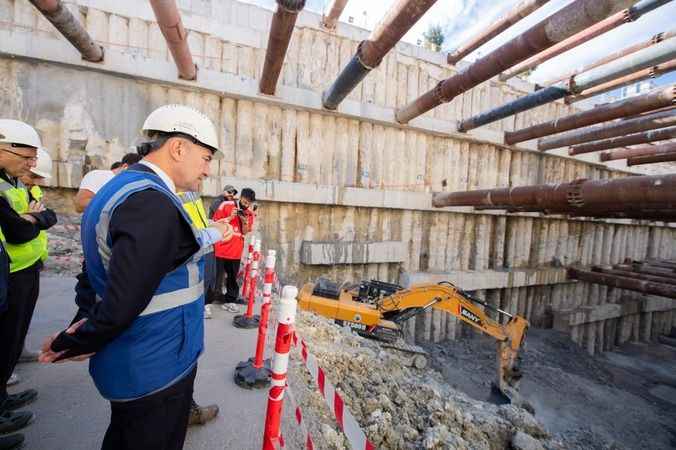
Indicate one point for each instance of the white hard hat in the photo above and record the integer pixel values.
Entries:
(186, 120)
(43, 168)
(17, 132)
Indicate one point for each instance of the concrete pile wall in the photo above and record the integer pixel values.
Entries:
(351, 177)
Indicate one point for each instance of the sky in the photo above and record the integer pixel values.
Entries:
(462, 19)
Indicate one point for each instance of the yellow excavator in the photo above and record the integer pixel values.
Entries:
(377, 310)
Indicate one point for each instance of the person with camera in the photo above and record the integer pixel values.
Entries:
(240, 214)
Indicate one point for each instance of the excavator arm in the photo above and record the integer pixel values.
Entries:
(448, 298)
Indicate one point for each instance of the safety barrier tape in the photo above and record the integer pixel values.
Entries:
(309, 443)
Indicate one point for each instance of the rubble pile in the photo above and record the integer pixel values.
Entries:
(401, 407)
(65, 251)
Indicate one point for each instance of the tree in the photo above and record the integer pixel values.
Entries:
(434, 37)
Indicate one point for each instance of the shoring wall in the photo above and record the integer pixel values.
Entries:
(338, 177)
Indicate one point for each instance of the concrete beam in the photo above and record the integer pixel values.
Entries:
(292, 192)
(565, 319)
(326, 253)
(120, 63)
(488, 279)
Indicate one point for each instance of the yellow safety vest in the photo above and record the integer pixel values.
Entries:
(26, 254)
(37, 194)
(192, 203)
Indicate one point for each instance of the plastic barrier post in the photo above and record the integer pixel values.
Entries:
(272, 438)
(249, 320)
(247, 268)
(255, 372)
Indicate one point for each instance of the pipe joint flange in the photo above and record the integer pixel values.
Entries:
(629, 15)
(437, 92)
(360, 57)
(292, 6)
(574, 193)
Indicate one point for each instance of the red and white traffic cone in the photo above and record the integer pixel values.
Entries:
(272, 434)
(247, 268)
(255, 372)
(249, 320)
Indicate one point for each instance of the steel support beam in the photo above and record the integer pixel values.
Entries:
(637, 266)
(630, 284)
(646, 150)
(631, 274)
(569, 20)
(661, 263)
(517, 13)
(610, 23)
(335, 9)
(651, 159)
(659, 37)
(399, 19)
(658, 99)
(632, 196)
(57, 14)
(624, 141)
(281, 28)
(171, 26)
(651, 72)
(657, 54)
(657, 120)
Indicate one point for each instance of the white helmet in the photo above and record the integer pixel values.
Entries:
(186, 120)
(17, 132)
(43, 168)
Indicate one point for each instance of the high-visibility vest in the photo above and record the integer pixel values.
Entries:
(37, 194)
(163, 343)
(192, 203)
(21, 255)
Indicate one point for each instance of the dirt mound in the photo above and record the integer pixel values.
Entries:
(400, 407)
(65, 251)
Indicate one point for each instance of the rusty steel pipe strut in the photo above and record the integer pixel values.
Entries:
(656, 99)
(569, 20)
(659, 37)
(517, 13)
(399, 19)
(638, 266)
(580, 197)
(624, 141)
(652, 159)
(631, 274)
(646, 150)
(63, 20)
(171, 26)
(336, 8)
(661, 263)
(281, 28)
(651, 72)
(647, 57)
(630, 284)
(660, 119)
(630, 14)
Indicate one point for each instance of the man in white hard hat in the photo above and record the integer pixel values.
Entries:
(20, 223)
(144, 259)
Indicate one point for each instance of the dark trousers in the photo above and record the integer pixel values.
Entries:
(23, 288)
(156, 422)
(228, 268)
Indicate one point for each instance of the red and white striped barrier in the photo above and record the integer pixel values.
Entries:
(272, 437)
(247, 267)
(248, 320)
(255, 372)
(346, 421)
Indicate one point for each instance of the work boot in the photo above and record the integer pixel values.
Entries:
(13, 379)
(15, 401)
(11, 421)
(199, 415)
(28, 355)
(11, 442)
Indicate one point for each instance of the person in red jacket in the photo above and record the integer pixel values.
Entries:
(240, 214)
